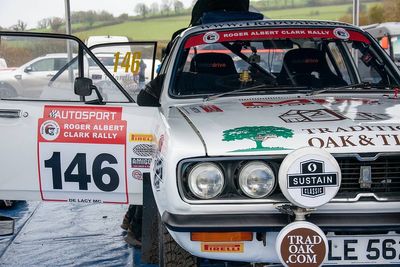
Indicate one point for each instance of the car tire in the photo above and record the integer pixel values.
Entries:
(7, 91)
(170, 253)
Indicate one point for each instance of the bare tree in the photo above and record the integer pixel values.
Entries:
(56, 23)
(165, 6)
(142, 9)
(154, 8)
(178, 6)
(43, 24)
(20, 26)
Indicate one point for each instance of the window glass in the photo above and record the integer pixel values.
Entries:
(45, 69)
(43, 65)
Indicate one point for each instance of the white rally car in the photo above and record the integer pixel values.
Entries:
(268, 146)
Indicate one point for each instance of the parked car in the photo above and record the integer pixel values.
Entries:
(388, 36)
(3, 63)
(29, 79)
(288, 159)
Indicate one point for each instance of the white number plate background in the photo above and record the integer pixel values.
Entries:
(356, 252)
(70, 190)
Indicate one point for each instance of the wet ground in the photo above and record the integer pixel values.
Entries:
(59, 234)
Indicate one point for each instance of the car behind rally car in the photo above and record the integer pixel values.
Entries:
(268, 145)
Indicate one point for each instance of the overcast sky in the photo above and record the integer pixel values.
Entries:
(31, 11)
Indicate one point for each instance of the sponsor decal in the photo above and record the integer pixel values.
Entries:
(263, 104)
(317, 115)
(257, 134)
(341, 33)
(222, 247)
(367, 116)
(354, 136)
(161, 141)
(302, 244)
(50, 130)
(141, 138)
(309, 177)
(144, 150)
(78, 146)
(158, 172)
(211, 37)
(268, 33)
(211, 108)
(140, 163)
(202, 109)
(136, 174)
(312, 179)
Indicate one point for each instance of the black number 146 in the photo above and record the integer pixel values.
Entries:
(82, 177)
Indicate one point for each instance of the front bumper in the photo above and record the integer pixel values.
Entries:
(269, 225)
(354, 222)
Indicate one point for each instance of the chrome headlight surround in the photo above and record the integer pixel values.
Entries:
(256, 179)
(206, 180)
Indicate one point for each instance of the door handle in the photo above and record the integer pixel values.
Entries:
(10, 113)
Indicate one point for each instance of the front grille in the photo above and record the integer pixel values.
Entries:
(385, 172)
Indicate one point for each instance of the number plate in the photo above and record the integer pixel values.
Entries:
(364, 250)
(82, 154)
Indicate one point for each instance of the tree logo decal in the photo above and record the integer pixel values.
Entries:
(257, 134)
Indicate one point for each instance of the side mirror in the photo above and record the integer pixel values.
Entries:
(83, 86)
(28, 69)
(384, 42)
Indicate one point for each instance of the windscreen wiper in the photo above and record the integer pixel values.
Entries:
(364, 85)
(261, 86)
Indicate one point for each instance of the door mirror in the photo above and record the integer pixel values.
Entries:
(384, 42)
(83, 86)
(28, 69)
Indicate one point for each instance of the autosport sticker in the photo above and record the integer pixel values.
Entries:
(302, 244)
(271, 33)
(81, 152)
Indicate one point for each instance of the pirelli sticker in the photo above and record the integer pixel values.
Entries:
(141, 138)
(222, 247)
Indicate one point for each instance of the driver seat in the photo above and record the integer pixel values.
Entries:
(307, 67)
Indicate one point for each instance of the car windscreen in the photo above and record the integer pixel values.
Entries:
(227, 60)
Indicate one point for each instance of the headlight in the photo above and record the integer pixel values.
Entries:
(206, 180)
(256, 179)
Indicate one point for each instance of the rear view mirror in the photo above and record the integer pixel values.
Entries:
(6, 226)
(83, 86)
(384, 42)
(278, 44)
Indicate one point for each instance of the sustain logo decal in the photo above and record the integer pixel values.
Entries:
(259, 135)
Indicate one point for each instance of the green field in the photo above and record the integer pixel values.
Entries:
(163, 28)
(149, 30)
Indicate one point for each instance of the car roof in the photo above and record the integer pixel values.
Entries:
(266, 23)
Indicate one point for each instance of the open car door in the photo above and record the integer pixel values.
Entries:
(76, 136)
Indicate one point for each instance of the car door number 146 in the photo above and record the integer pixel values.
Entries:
(98, 173)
